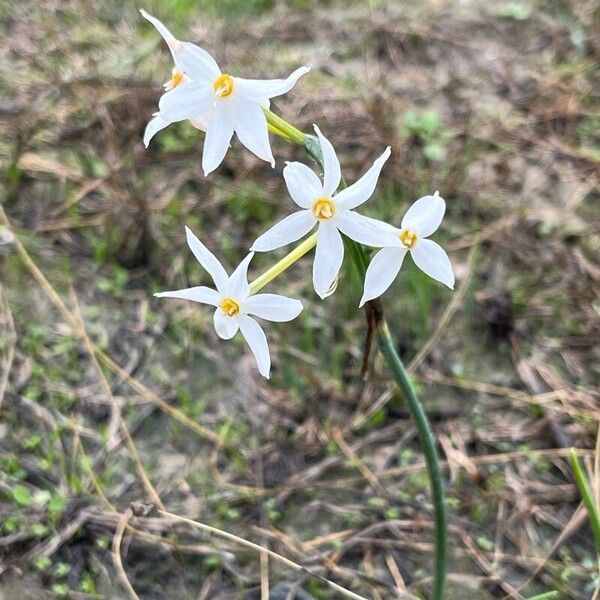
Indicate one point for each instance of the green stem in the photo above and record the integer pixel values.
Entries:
(386, 345)
(434, 471)
(388, 349)
(280, 125)
(287, 261)
(586, 496)
(278, 132)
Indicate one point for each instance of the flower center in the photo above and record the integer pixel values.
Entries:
(408, 238)
(223, 85)
(230, 307)
(177, 78)
(323, 208)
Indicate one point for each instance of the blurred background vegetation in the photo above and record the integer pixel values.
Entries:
(494, 104)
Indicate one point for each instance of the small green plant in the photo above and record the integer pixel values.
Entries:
(426, 127)
(22, 496)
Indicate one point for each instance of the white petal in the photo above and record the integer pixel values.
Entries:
(237, 286)
(290, 229)
(251, 129)
(381, 272)
(161, 28)
(361, 190)
(425, 215)
(272, 307)
(187, 101)
(302, 183)
(257, 341)
(155, 124)
(200, 123)
(365, 230)
(199, 293)
(329, 256)
(225, 326)
(258, 89)
(197, 64)
(331, 165)
(433, 260)
(191, 59)
(218, 137)
(208, 260)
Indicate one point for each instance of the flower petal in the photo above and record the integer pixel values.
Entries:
(432, 259)
(365, 230)
(208, 260)
(290, 229)
(199, 293)
(187, 101)
(425, 215)
(258, 89)
(329, 256)
(160, 26)
(155, 124)
(237, 286)
(302, 183)
(272, 307)
(360, 191)
(196, 63)
(251, 129)
(225, 326)
(257, 340)
(218, 137)
(381, 272)
(332, 174)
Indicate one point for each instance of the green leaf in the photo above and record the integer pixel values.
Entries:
(434, 152)
(515, 10)
(22, 495)
(60, 589)
(41, 563)
(56, 505)
(485, 543)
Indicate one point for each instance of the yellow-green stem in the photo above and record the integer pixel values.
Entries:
(287, 261)
(278, 132)
(280, 126)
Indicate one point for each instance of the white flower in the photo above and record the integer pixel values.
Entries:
(332, 212)
(234, 303)
(216, 102)
(178, 75)
(420, 221)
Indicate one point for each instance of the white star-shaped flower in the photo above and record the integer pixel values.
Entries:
(216, 102)
(234, 303)
(178, 75)
(420, 221)
(332, 212)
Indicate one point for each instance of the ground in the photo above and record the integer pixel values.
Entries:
(114, 403)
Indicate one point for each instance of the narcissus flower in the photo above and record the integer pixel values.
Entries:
(216, 102)
(235, 304)
(332, 212)
(178, 75)
(420, 221)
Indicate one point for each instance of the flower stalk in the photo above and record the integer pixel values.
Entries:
(388, 349)
(287, 261)
(280, 126)
(278, 132)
